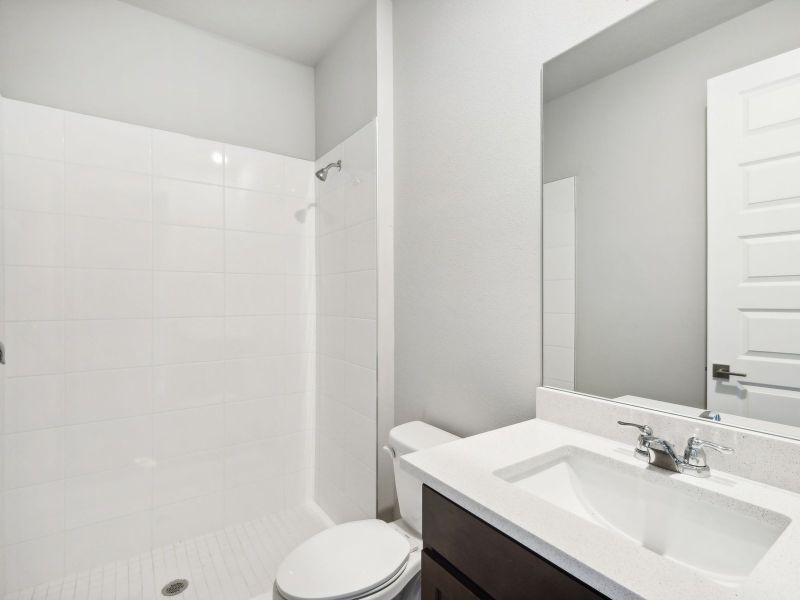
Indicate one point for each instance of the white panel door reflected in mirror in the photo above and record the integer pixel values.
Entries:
(753, 240)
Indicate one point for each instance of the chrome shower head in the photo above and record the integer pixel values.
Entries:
(322, 174)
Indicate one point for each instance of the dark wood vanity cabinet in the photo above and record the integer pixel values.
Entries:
(466, 558)
(440, 581)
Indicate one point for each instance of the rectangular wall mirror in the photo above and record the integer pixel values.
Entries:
(671, 212)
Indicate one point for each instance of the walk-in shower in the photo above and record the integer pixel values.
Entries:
(193, 311)
(190, 315)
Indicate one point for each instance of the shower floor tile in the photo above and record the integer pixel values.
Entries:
(236, 563)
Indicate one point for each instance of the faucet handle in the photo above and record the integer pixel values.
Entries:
(645, 429)
(642, 451)
(694, 457)
(695, 443)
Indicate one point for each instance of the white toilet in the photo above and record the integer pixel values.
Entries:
(370, 559)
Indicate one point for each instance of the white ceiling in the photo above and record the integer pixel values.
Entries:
(300, 30)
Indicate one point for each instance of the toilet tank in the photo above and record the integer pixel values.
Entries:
(404, 439)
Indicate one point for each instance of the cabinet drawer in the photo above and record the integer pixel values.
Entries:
(498, 565)
(440, 583)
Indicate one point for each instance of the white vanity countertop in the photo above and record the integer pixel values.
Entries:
(463, 471)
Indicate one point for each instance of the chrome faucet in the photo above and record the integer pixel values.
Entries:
(660, 453)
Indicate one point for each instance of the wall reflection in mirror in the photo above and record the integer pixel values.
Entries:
(671, 212)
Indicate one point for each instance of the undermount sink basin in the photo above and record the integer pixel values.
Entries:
(716, 535)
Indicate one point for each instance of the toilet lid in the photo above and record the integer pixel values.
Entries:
(345, 561)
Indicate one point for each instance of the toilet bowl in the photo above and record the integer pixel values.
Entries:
(368, 559)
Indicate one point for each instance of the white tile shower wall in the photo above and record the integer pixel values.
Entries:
(161, 309)
(345, 466)
(558, 283)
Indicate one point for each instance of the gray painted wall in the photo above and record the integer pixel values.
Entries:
(467, 201)
(346, 83)
(110, 59)
(636, 141)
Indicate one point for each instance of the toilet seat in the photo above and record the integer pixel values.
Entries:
(344, 562)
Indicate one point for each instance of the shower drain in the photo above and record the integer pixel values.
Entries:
(175, 587)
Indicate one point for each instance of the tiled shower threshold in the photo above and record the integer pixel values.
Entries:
(235, 563)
